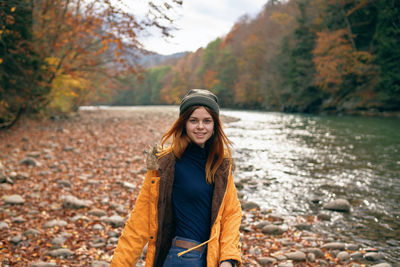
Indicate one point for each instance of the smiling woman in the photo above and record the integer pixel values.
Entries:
(187, 211)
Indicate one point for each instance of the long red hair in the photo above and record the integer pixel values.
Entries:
(218, 144)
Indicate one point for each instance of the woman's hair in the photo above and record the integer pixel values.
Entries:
(218, 145)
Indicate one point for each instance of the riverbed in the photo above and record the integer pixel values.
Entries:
(293, 164)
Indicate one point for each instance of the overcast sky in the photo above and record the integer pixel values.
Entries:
(202, 21)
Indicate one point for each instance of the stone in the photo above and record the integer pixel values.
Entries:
(338, 205)
(343, 256)
(4, 225)
(98, 227)
(334, 245)
(60, 252)
(383, 264)
(54, 223)
(30, 162)
(250, 205)
(356, 255)
(5, 187)
(128, 185)
(272, 229)
(97, 212)
(43, 264)
(33, 154)
(260, 225)
(296, 256)
(352, 247)
(372, 256)
(16, 239)
(311, 257)
(71, 202)
(18, 219)
(114, 221)
(31, 232)
(323, 216)
(58, 241)
(303, 226)
(14, 200)
(64, 183)
(266, 260)
(99, 264)
(285, 264)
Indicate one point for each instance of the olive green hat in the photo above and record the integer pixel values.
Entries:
(199, 97)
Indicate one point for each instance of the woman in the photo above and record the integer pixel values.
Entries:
(187, 210)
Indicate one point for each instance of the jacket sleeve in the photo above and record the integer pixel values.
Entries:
(230, 248)
(136, 232)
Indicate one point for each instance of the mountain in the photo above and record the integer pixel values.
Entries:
(150, 59)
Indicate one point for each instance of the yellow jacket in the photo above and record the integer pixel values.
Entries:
(152, 221)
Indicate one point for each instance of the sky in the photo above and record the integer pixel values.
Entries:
(200, 22)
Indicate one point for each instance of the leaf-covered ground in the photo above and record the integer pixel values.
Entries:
(67, 186)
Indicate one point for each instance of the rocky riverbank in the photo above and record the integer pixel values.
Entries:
(68, 186)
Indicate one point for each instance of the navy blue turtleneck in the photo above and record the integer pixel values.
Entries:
(191, 195)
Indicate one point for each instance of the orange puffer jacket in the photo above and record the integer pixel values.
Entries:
(152, 219)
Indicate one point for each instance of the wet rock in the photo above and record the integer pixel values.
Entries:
(356, 255)
(16, 239)
(14, 200)
(372, 256)
(114, 221)
(352, 247)
(99, 264)
(250, 205)
(30, 162)
(273, 229)
(60, 252)
(343, 256)
(54, 223)
(4, 225)
(266, 260)
(43, 264)
(335, 245)
(71, 202)
(338, 205)
(296, 256)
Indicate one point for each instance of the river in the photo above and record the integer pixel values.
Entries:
(293, 160)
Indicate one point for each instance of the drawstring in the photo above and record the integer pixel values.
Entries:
(193, 248)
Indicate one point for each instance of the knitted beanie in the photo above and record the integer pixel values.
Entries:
(199, 97)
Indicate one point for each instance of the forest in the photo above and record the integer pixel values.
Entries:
(312, 56)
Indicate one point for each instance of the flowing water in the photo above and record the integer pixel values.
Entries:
(290, 160)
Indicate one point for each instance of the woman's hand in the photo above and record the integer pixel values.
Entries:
(226, 264)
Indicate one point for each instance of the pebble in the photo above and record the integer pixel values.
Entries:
(97, 212)
(303, 226)
(316, 251)
(54, 223)
(296, 256)
(352, 247)
(60, 252)
(43, 264)
(14, 200)
(58, 241)
(72, 202)
(338, 205)
(324, 216)
(250, 206)
(343, 256)
(99, 264)
(383, 264)
(18, 219)
(98, 227)
(272, 229)
(266, 260)
(31, 232)
(356, 255)
(16, 239)
(30, 162)
(311, 257)
(114, 221)
(4, 225)
(372, 256)
(334, 245)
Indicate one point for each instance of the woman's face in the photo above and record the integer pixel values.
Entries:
(200, 126)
